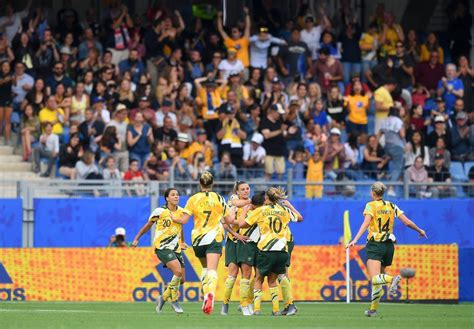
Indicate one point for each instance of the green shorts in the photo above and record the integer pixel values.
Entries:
(247, 253)
(213, 248)
(165, 256)
(271, 262)
(230, 252)
(291, 245)
(381, 251)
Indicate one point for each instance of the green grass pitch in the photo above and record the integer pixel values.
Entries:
(311, 315)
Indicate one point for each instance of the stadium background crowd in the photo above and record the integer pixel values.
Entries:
(111, 96)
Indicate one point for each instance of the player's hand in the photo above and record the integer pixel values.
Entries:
(423, 234)
(135, 243)
(242, 238)
(351, 244)
(184, 246)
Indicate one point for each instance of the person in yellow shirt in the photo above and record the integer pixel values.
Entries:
(208, 100)
(379, 218)
(52, 114)
(357, 104)
(272, 221)
(168, 243)
(315, 173)
(391, 34)
(209, 210)
(235, 85)
(237, 40)
(383, 102)
(431, 45)
(369, 44)
(201, 144)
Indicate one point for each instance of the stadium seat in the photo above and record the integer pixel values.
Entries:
(457, 172)
(467, 168)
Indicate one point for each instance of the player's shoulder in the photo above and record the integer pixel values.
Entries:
(157, 212)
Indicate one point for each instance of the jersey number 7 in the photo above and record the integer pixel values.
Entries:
(208, 215)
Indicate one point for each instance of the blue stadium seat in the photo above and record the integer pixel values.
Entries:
(457, 172)
(467, 168)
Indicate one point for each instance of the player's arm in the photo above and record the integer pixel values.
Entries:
(409, 223)
(362, 229)
(240, 203)
(182, 243)
(184, 219)
(142, 231)
(245, 221)
(288, 204)
(239, 237)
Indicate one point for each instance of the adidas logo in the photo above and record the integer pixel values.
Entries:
(360, 287)
(160, 276)
(9, 293)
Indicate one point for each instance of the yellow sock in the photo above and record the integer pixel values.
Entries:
(212, 281)
(204, 281)
(275, 301)
(382, 279)
(229, 285)
(251, 290)
(174, 287)
(285, 285)
(244, 292)
(377, 293)
(167, 293)
(257, 300)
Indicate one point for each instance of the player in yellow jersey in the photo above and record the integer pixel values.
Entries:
(272, 220)
(168, 242)
(379, 217)
(209, 210)
(237, 200)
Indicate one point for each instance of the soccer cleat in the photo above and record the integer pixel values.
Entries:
(176, 307)
(277, 313)
(225, 309)
(290, 310)
(204, 303)
(246, 311)
(394, 286)
(250, 306)
(257, 313)
(371, 313)
(239, 309)
(159, 304)
(209, 304)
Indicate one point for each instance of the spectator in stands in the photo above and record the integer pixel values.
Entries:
(311, 34)
(276, 96)
(148, 113)
(274, 133)
(230, 135)
(208, 101)
(375, 161)
(352, 164)
(460, 22)
(86, 167)
(11, 22)
(394, 132)
(69, 155)
(369, 44)
(139, 139)
(431, 45)
(254, 153)
(155, 169)
(110, 171)
(30, 129)
(79, 103)
(417, 174)
(259, 46)
(351, 52)
(440, 148)
(327, 71)
(225, 170)
(383, 102)
(458, 107)
(132, 64)
(118, 240)
(22, 84)
(52, 114)
(90, 131)
(58, 77)
(48, 148)
(336, 107)
(358, 103)
(318, 115)
(230, 65)
(121, 126)
(439, 131)
(466, 75)
(24, 51)
(462, 137)
(177, 164)
(109, 144)
(134, 174)
(47, 55)
(165, 134)
(117, 35)
(440, 174)
(201, 144)
(416, 148)
(198, 165)
(336, 154)
(430, 72)
(88, 43)
(391, 34)
(5, 101)
(450, 87)
(419, 95)
(417, 121)
(315, 173)
(413, 49)
(403, 69)
(295, 58)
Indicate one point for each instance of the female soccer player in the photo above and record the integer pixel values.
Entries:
(168, 237)
(379, 217)
(272, 220)
(237, 200)
(208, 209)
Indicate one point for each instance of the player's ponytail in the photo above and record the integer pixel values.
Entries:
(206, 180)
(276, 194)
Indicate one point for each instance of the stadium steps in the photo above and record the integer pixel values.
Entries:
(11, 163)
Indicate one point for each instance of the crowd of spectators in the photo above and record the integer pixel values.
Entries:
(141, 97)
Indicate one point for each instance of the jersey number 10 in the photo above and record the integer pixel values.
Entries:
(275, 224)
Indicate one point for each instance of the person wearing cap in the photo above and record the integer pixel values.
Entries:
(274, 133)
(450, 87)
(231, 135)
(462, 137)
(165, 111)
(203, 145)
(311, 34)
(119, 238)
(146, 110)
(276, 96)
(335, 154)
(235, 85)
(182, 145)
(208, 100)
(100, 109)
(294, 59)
(120, 123)
(260, 44)
(231, 65)
(236, 39)
(69, 61)
(254, 153)
(440, 131)
(438, 173)
(327, 71)
(440, 109)
(383, 101)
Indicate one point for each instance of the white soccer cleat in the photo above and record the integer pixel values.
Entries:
(176, 307)
(225, 309)
(246, 311)
(394, 286)
(159, 304)
(250, 306)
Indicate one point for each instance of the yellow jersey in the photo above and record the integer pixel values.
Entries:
(252, 232)
(208, 208)
(242, 46)
(358, 106)
(383, 215)
(272, 220)
(238, 212)
(167, 232)
(382, 95)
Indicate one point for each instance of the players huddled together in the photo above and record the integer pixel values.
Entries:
(258, 238)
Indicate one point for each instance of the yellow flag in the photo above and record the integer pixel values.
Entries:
(347, 228)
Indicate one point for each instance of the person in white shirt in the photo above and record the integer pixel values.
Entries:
(259, 44)
(254, 153)
(311, 34)
(121, 156)
(230, 65)
(100, 110)
(10, 24)
(48, 148)
(165, 111)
